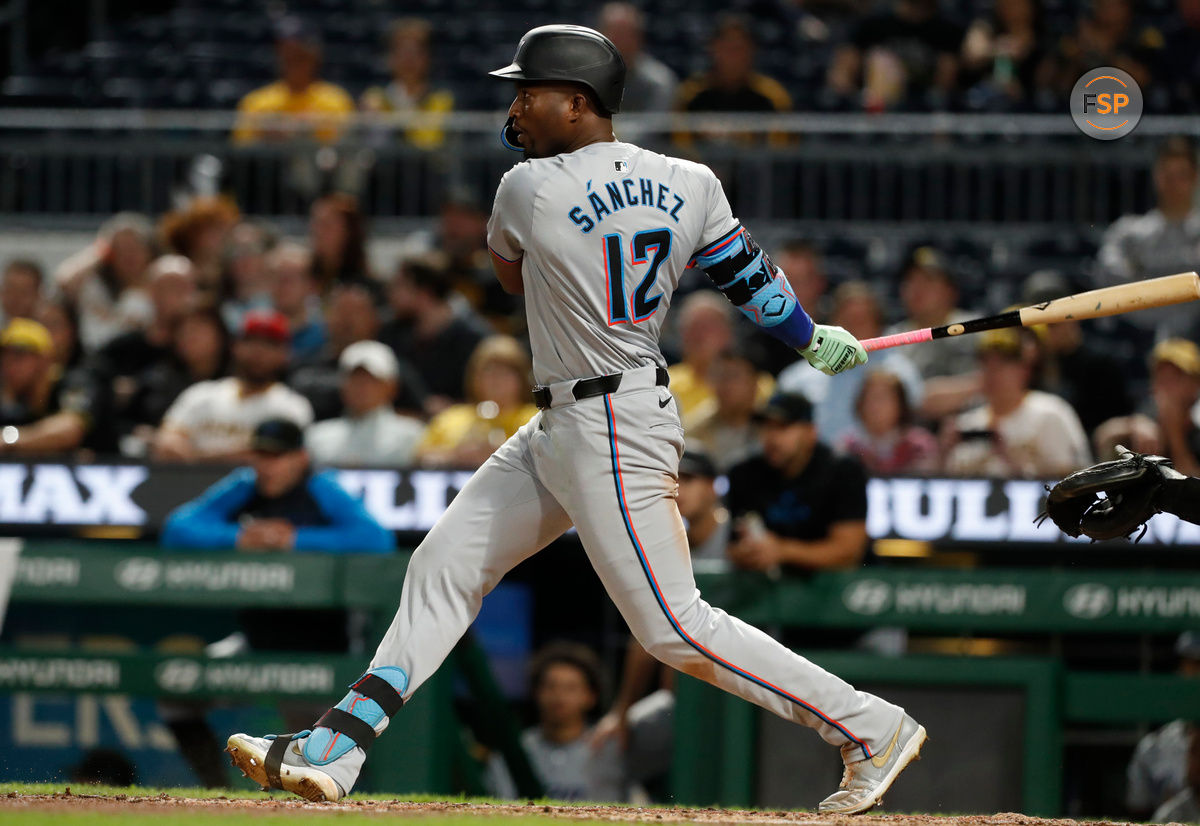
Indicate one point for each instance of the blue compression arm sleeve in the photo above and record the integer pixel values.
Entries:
(744, 273)
(351, 528)
(206, 522)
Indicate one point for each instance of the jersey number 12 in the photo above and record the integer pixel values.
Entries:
(642, 306)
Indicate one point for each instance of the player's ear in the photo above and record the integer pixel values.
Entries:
(576, 106)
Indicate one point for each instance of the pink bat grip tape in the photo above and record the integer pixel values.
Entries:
(884, 342)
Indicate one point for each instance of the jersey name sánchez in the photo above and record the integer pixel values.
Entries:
(603, 235)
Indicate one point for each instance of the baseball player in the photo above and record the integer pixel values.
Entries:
(596, 233)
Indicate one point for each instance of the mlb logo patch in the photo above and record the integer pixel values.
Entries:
(621, 166)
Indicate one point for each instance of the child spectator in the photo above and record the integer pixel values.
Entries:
(565, 682)
(884, 439)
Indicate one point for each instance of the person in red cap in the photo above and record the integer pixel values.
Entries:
(213, 420)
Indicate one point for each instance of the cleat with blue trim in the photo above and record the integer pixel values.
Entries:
(865, 781)
(276, 762)
(323, 764)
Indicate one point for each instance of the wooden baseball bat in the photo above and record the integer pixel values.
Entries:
(1121, 298)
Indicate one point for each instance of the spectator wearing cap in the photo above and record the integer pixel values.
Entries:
(856, 306)
(20, 289)
(884, 437)
(316, 105)
(1174, 429)
(42, 409)
(725, 428)
(294, 294)
(1159, 768)
(1164, 240)
(796, 504)
(371, 432)
(277, 504)
(411, 89)
(213, 420)
(427, 333)
(707, 521)
(498, 403)
(1017, 431)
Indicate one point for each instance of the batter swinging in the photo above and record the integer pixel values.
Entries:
(596, 234)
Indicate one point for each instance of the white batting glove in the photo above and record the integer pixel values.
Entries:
(833, 350)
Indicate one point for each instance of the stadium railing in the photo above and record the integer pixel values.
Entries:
(1033, 170)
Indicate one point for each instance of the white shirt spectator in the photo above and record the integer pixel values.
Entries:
(1041, 438)
(219, 419)
(378, 439)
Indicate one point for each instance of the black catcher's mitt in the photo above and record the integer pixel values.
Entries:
(1130, 486)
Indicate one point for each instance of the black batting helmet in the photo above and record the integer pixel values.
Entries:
(575, 54)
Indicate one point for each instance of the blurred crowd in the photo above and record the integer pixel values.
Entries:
(902, 55)
(171, 340)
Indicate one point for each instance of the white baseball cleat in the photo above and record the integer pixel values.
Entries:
(865, 781)
(287, 768)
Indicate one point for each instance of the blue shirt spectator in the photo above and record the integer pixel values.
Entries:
(277, 504)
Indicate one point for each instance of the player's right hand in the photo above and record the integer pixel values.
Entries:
(833, 350)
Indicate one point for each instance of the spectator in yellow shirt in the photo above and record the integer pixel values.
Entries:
(410, 61)
(318, 106)
(497, 389)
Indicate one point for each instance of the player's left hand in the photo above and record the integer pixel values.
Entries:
(833, 350)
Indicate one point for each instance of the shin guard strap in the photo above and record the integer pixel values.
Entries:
(357, 730)
(380, 690)
(274, 760)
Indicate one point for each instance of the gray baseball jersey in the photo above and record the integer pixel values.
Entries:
(605, 233)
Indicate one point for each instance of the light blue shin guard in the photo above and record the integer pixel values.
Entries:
(372, 699)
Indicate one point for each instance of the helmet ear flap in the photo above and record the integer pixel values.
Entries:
(509, 137)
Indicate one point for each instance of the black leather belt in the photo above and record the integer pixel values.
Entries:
(598, 386)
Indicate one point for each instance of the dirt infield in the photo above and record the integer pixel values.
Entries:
(163, 804)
